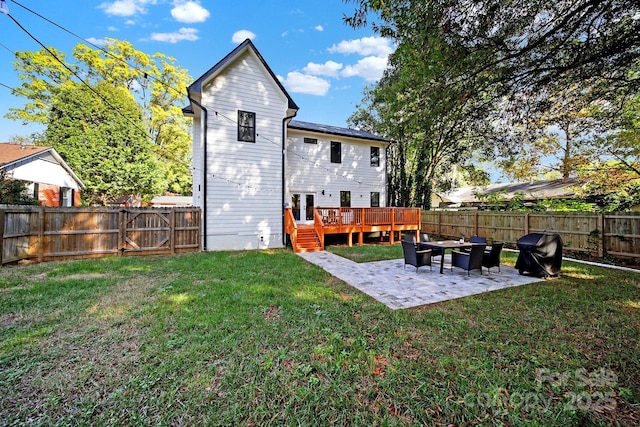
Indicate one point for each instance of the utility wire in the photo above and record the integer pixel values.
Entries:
(98, 94)
(105, 51)
(12, 52)
(8, 87)
(165, 84)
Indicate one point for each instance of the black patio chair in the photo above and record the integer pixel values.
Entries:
(491, 258)
(475, 239)
(415, 257)
(424, 238)
(471, 260)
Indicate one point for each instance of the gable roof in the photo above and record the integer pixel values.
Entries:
(15, 154)
(11, 153)
(335, 130)
(196, 86)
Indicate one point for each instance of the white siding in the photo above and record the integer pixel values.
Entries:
(244, 179)
(45, 171)
(309, 169)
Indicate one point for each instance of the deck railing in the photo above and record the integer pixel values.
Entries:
(368, 216)
(290, 226)
(365, 220)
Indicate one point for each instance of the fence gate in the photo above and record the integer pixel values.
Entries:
(147, 230)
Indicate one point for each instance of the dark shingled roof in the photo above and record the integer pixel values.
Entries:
(335, 130)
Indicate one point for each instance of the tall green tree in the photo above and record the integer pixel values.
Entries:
(436, 121)
(484, 73)
(530, 49)
(155, 82)
(613, 173)
(105, 144)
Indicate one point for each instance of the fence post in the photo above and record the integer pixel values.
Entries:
(41, 234)
(475, 218)
(526, 223)
(172, 232)
(121, 243)
(1, 235)
(603, 246)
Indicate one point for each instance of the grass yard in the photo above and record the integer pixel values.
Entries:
(264, 338)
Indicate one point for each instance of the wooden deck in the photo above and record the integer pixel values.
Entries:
(349, 221)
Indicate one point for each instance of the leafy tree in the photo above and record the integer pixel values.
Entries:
(104, 143)
(436, 122)
(13, 191)
(611, 173)
(555, 147)
(497, 74)
(154, 81)
(523, 51)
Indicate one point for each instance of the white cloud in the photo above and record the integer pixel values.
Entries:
(112, 28)
(377, 46)
(297, 82)
(242, 35)
(188, 34)
(130, 22)
(125, 7)
(329, 69)
(319, 28)
(189, 12)
(97, 42)
(370, 68)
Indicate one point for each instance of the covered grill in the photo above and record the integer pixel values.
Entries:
(540, 254)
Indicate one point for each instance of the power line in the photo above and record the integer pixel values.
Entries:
(12, 52)
(98, 94)
(8, 87)
(105, 51)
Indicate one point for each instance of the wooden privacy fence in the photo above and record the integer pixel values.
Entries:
(44, 234)
(616, 234)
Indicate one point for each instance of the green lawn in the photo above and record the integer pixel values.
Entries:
(264, 338)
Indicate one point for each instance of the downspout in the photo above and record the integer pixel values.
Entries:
(204, 171)
(284, 150)
(386, 175)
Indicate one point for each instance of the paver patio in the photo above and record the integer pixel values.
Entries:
(397, 288)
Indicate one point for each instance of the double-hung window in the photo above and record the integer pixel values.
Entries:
(246, 126)
(375, 156)
(345, 199)
(375, 199)
(336, 155)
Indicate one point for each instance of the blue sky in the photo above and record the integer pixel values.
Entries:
(323, 64)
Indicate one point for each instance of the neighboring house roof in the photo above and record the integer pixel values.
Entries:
(196, 87)
(335, 130)
(12, 156)
(11, 153)
(537, 190)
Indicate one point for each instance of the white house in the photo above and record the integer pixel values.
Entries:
(48, 177)
(251, 159)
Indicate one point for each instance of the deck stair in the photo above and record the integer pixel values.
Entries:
(307, 240)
